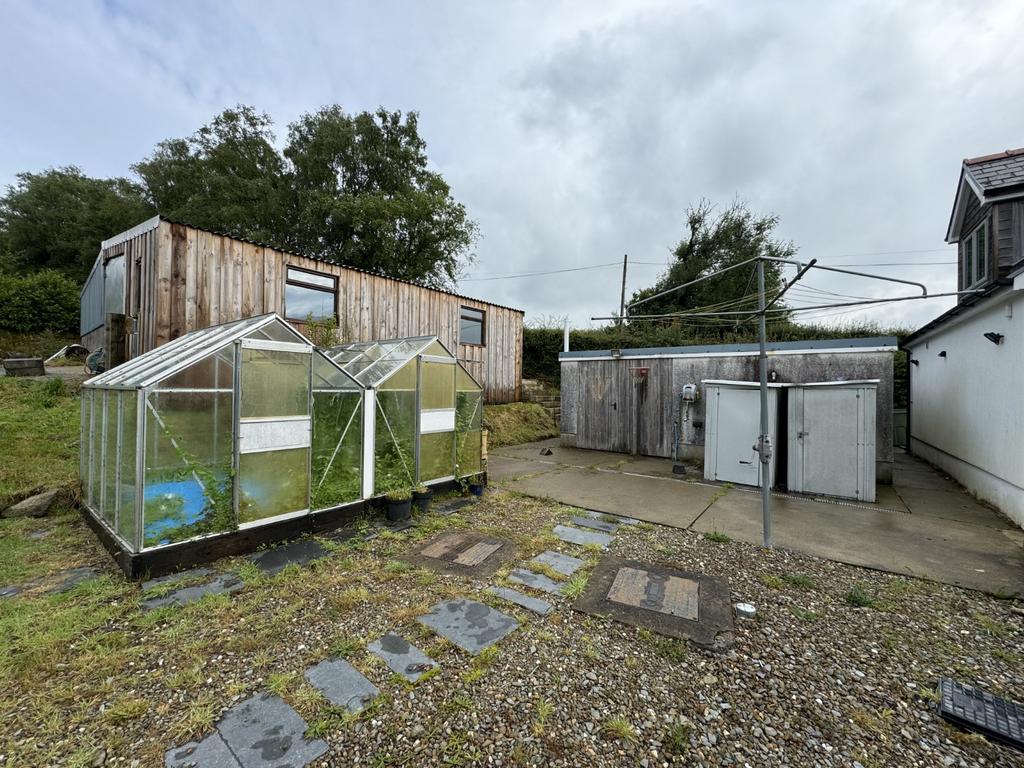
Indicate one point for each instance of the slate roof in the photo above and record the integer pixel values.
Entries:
(999, 172)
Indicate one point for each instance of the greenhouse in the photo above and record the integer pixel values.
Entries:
(428, 412)
(247, 424)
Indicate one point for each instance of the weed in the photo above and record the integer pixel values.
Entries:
(618, 728)
(799, 580)
(803, 614)
(991, 626)
(859, 597)
(346, 645)
(542, 712)
(717, 536)
(279, 683)
(677, 738)
(667, 647)
(545, 570)
(772, 581)
(576, 585)
(351, 597)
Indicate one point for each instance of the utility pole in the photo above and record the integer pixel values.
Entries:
(764, 442)
(622, 296)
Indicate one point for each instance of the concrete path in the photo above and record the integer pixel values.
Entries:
(923, 525)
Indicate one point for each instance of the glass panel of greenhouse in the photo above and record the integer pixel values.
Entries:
(228, 427)
(427, 412)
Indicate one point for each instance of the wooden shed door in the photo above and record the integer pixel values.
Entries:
(605, 418)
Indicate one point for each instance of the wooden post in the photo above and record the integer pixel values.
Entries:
(622, 295)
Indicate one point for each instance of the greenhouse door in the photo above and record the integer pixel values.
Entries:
(273, 428)
(436, 446)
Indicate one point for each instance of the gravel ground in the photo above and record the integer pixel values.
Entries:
(813, 680)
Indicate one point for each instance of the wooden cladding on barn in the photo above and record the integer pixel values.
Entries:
(181, 278)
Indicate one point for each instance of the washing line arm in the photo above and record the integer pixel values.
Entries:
(687, 285)
(924, 289)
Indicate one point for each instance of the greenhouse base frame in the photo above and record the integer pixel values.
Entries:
(188, 554)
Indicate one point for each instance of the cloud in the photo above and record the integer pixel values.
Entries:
(573, 132)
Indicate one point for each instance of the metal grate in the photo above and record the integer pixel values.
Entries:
(996, 718)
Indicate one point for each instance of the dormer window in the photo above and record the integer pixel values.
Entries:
(974, 256)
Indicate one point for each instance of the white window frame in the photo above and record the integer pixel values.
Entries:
(975, 261)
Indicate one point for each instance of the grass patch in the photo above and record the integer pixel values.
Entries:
(40, 422)
(803, 614)
(717, 536)
(677, 738)
(515, 423)
(772, 581)
(576, 585)
(667, 647)
(991, 626)
(618, 728)
(541, 713)
(799, 580)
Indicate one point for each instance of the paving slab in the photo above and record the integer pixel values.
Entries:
(224, 583)
(501, 468)
(211, 752)
(192, 576)
(469, 624)
(462, 553)
(65, 581)
(579, 536)
(681, 604)
(10, 591)
(950, 551)
(560, 454)
(536, 581)
(342, 684)
(300, 552)
(264, 732)
(402, 656)
(933, 502)
(596, 524)
(535, 604)
(454, 505)
(565, 564)
(653, 499)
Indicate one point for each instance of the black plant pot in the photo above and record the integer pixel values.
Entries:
(477, 489)
(399, 510)
(422, 500)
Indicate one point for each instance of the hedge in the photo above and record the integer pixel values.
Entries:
(42, 301)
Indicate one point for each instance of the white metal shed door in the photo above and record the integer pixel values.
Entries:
(832, 441)
(734, 421)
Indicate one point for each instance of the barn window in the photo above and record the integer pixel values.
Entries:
(471, 326)
(308, 293)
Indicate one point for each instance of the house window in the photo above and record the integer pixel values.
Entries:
(975, 256)
(308, 294)
(471, 326)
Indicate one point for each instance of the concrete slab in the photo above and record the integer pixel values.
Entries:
(575, 457)
(210, 752)
(342, 684)
(509, 467)
(656, 467)
(264, 732)
(949, 551)
(462, 553)
(470, 625)
(402, 656)
(65, 581)
(595, 524)
(566, 565)
(656, 500)
(611, 517)
(680, 604)
(224, 583)
(579, 536)
(300, 552)
(536, 581)
(535, 604)
(191, 576)
(950, 506)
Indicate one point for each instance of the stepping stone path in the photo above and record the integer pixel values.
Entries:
(566, 565)
(342, 684)
(536, 581)
(221, 583)
(300, 551)
(261, 732)
(535, 604)
(470, 625)
(597, 525)
(402, 656)
(62, 581)
(579, 536)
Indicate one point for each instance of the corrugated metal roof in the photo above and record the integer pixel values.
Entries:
(150, 223)
(814, 345)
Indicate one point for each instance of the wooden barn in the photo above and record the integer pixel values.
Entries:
(163, 278)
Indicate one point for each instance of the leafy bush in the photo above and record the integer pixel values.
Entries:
(43, 301)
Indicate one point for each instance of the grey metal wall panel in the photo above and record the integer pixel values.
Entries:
(91, 316)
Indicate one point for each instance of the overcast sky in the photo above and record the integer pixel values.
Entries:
(572, 132)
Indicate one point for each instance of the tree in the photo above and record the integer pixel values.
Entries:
(712, 243)
(227, 176)
(56, 219)
(362, 194)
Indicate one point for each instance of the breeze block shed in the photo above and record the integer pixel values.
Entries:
(607, 404)
(162, 279)
(245, 433)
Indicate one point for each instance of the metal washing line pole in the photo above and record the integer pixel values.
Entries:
(764, 446)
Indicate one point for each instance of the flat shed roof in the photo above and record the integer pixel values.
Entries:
(814, 346)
